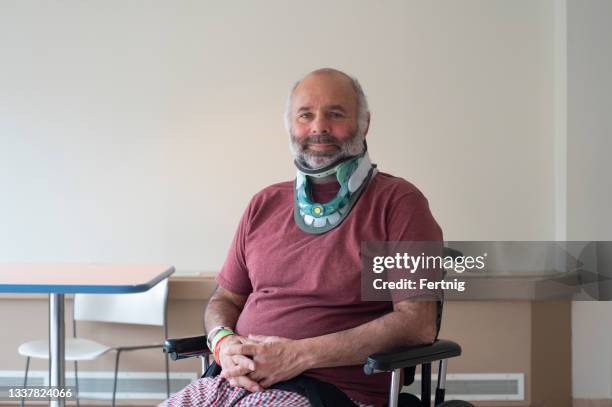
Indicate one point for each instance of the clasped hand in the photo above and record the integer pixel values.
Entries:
(258, 362)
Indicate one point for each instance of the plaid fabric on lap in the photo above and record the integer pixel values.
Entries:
(217, 392)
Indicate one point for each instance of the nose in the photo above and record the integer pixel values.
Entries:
(320, 125)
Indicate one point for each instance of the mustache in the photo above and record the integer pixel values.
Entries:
(320, 139)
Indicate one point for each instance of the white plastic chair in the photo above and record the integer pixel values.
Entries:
(146, 308)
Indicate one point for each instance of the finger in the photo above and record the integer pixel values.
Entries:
(244, 361)
(248, 384)
(234, 371)
(249, 349)
(267, 382)
(263, 338)
(242, 366)
(226, 363)
(258, 338)
(255, 376)
(234, 349)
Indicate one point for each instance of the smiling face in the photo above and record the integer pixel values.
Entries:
(324, 119)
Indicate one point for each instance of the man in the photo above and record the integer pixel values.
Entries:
(288, 302)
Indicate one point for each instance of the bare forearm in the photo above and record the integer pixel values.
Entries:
(222, 310)
(353, 346)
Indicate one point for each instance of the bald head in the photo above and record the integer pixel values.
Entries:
(332, 80)
(329, 71)
(327, 117)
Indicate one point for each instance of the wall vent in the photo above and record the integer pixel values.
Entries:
(477, 386)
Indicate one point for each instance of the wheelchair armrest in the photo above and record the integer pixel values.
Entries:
(411, 356)
(183, 348)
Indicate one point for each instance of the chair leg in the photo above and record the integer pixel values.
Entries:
(395, 388)
(426, 384)
(441, 387)
(76, 382)
(167, 376)
(25, 378)
(115, 380)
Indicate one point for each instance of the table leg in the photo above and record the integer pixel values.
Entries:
(56, 345)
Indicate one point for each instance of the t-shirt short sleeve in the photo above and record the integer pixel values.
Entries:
(410, 219)
(234, 275)
(411, 228)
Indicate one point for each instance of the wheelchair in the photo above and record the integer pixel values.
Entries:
(402, 360)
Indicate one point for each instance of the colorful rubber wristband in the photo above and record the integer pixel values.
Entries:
(221, 334)
(213, 332)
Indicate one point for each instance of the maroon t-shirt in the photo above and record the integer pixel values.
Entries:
(301, 285)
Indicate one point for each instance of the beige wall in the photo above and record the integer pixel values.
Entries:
(589, 136)
(136, 131)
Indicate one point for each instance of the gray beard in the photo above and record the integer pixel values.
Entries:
(350, 148)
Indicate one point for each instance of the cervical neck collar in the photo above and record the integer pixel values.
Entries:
(353, 175)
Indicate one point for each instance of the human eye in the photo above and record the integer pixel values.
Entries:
(305, 115)
(336, 115)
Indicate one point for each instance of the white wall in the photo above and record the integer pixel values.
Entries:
(589, 188)
(137, 131)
